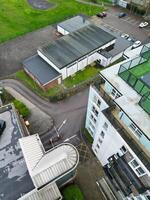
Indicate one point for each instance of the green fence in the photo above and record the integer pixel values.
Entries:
(145, 102)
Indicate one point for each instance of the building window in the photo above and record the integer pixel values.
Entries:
(93, 119)
(114, 93)
(95, 150)
(98, 103)
(123, 149)
(134, 128)
(98, 146)
(140, 171)
(136, 167)
(95, 111)
(102, 134)
(105, 126)
(100, 141)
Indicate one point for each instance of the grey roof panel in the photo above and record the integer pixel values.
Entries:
(72, 47)
(43, 72)
(74, 23)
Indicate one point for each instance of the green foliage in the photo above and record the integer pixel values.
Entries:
(81, 76)
(72, 192)
(17, 17)
(22, 109)
(88, 136)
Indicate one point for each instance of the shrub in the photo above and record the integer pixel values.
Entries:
(72, 192)
(22, 109)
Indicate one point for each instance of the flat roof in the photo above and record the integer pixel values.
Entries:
(120, 45)
(14, 177)
(67, 49)
(45, 167)
(49, 192)
(74, 23)
(40, 69)
(129, 100)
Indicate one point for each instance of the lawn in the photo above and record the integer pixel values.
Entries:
(30, 83)
(99, 1)
(72, 192)
(81, 76)
(18, 17)
(141, 69)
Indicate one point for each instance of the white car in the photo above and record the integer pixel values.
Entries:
(136, 44)
(124, 35)
(143, 24)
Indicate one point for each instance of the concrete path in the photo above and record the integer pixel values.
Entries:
(73, 109)
(39, 121)
(40, 4)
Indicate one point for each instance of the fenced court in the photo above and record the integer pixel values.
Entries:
(134, 72)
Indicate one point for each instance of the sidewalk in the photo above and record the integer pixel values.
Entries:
(39, 121)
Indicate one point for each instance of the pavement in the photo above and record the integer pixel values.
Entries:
(13, 52)
(40, 122)
(88, 172)
(40, 4)
(71, 109)
(128, 24)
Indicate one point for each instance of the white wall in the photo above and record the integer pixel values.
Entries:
(62, 31)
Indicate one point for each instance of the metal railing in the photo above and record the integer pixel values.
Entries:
(136, 148)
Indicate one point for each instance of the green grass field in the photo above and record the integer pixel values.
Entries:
(72, 192)
(17, 17)
(141, 69)
(81, 76)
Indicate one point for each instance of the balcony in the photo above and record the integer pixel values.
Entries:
(136, 148)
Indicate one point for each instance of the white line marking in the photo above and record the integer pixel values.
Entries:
(66, 140)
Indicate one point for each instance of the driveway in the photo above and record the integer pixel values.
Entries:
(128, 24)
(13, 52)
(72, 110)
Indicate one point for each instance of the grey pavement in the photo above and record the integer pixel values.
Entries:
(13, 52)
(128, 24)
(73, 109)
(40, 4)
(39, 121)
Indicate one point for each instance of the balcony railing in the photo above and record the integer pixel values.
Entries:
(136, 148)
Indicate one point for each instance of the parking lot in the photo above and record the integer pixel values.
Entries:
(128, 24)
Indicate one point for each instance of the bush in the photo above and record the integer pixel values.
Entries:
(22, 109)
(72, 192)
(88, 136)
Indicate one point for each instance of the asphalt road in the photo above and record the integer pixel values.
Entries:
(72, 110)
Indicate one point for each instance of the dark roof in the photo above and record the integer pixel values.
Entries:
(120, 45)
(40, 69)
(14, 177)
(146, 79)
(74, 23)
(74, 46)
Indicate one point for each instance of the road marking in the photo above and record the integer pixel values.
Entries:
(66, 140)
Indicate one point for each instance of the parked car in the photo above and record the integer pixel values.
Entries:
(131, 39)
(101, 15)
(124, 35)
(122, 14)
(143, 24)
(136, 44)
(2, 126)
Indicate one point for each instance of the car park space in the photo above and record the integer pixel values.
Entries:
(128, 24)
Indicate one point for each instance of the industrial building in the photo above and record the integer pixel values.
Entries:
(69, 54)
(118, 119)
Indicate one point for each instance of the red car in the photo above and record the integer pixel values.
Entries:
(101, 15)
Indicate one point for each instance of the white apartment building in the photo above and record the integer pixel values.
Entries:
(118, 119)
